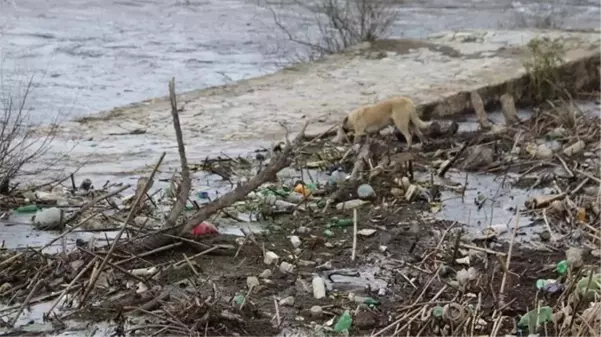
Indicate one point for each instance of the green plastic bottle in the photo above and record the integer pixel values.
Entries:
(343, 223)
(27, 209)
(370, 301)
(344, 322)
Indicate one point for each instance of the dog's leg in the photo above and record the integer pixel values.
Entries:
(419, 134)
(402, 124)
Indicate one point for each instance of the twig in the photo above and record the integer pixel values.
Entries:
(485, 250)
(184, 190)
(70, 285)
(277, 310)
(67, 232)
(93, 202)
(116, 239)
(450, 163)
(508, 263)
(26, 302)
(354, 234)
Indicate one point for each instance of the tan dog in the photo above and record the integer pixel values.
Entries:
(398, 111)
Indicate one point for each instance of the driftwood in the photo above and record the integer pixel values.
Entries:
(449, 163)
(437, 129)
(184, 188)
(278, 163)
(362, 157)
(478, 106)
(509, 111)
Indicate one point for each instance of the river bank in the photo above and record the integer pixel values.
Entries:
(242, 116)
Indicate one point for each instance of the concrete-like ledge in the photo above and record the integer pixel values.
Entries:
(437, 73)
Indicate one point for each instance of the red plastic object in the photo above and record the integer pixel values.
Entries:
(204, 228)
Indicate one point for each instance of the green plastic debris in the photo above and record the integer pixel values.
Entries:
(344, 322)
(343, 223)
(27, 209)
(594, 288)
(370, 301)
(437, 311)
(540, 283)
(328, 233)
(282, 192)
(562, 267)
(542, 315)
(321, 203)
(239, 299)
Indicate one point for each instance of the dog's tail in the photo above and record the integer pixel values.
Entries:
(416, 120)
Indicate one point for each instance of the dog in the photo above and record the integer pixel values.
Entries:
(399, 112)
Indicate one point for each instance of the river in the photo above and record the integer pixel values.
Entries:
(92, 55)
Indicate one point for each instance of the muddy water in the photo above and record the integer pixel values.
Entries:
(92, 55)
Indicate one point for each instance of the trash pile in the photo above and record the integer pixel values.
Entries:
(349, 241)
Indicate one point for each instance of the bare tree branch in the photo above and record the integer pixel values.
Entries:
(339, 23)
(19, 145)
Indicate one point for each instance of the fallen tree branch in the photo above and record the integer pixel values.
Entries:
(278, 163)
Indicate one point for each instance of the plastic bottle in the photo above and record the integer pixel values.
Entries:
(366, 300)
(343, 223)
(337, 177)
(27, 209)
(344, 322)
(562, 267)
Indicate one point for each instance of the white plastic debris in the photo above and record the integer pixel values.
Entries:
(48, 218)
(296, 241)
(286, 267)
(270, 257)
(319, 287)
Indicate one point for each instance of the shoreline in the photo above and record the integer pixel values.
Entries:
(437, 73)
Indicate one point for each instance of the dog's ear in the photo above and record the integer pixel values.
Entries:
(345, 127)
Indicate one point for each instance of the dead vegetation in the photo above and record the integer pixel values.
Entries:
(331, 26)
(536, 14)
(544, 58)
(19, 145)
